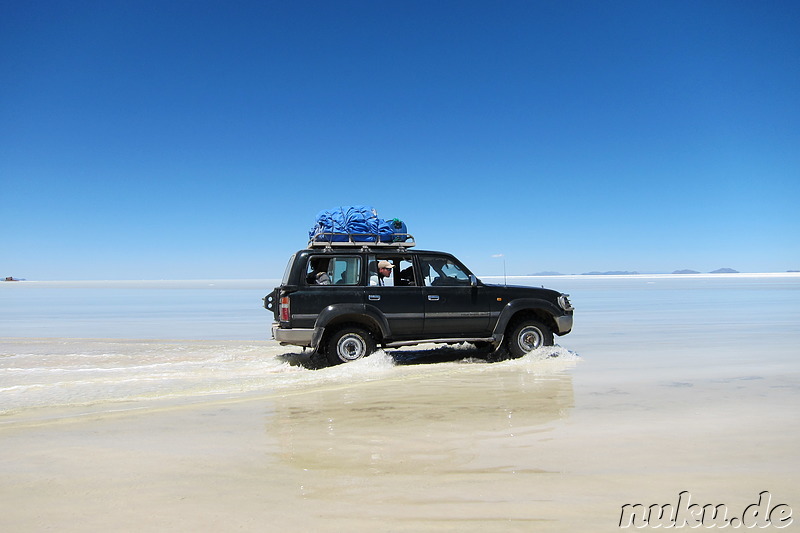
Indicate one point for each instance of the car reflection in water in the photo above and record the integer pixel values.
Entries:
(415, 418)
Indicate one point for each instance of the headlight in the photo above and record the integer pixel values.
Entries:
(563, 301)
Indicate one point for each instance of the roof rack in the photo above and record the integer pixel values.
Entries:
(359, 240)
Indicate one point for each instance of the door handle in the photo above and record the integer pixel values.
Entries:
(374, 297)
(433, 297)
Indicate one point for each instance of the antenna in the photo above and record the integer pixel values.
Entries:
(498, 256)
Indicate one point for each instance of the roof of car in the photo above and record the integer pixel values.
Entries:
(354, 240)
(372, 249)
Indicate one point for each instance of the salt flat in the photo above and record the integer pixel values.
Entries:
(666, 385)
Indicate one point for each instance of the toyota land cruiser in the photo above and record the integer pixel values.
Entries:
(335, 299)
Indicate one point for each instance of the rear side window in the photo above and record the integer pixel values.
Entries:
(333, 270)
(288, 271)
(346, 271)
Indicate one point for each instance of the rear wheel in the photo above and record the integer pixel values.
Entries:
(528, 335)
(348, 344)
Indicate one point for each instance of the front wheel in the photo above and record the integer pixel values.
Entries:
(528, 335)
(348, 344)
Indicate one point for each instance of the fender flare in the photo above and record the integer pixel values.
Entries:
(515, 306)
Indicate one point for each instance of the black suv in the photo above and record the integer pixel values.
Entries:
(344, 299)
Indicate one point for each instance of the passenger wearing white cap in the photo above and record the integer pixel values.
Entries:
(384, 271)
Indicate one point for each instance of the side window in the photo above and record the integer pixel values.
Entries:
(346, 271)
(392, 270)
(405, 272)
(439, 271)
(317, 272)
(333, 270)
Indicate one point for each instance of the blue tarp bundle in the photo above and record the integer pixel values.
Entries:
(358, 223)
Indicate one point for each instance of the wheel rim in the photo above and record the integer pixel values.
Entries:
(351, 347)
(529, 338)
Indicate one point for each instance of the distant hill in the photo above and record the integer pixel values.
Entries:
(724, 271)
(686, 272)
(547, 273)
(611, 273)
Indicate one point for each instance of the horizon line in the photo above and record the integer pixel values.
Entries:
(789, 274)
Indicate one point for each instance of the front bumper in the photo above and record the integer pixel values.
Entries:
(295, 336)
(563, 324)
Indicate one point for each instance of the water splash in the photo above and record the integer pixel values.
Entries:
(39, 373)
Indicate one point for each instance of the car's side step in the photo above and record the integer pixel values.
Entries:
(439, 341)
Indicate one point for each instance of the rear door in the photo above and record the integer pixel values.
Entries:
(398, 296)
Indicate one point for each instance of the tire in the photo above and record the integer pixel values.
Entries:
(349, 344)
(526, 336)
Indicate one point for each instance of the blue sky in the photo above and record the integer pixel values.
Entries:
(194, 139)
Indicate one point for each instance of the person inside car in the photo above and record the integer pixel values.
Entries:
(319, 272)
(383, 275)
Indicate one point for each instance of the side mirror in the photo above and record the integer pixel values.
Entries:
(473, 280)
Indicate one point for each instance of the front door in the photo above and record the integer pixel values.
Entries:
(454, 308)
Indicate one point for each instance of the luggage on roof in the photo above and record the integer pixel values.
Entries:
(358, 225)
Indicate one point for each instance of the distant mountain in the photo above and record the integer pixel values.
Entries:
(686, 272)
(547, 273)
(611, 273)
(724, 271)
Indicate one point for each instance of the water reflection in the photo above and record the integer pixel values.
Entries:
(421, 420)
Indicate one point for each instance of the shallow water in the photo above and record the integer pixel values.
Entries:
(223, 346)
(666, 384)
(40, 373)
